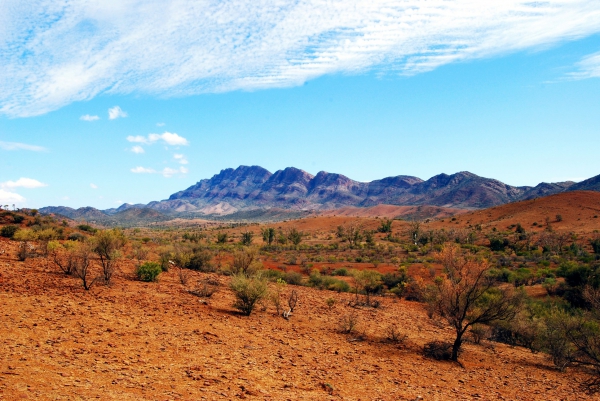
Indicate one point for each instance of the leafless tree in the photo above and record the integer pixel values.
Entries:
(467, 296)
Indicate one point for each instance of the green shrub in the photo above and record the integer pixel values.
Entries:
(87, 228)
(293, 278)
(248, 291)
(8, 231)
(18, 219)
(340, 272)
(148, 271)
(76, 237)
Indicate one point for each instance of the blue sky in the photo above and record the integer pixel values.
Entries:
(109, 102)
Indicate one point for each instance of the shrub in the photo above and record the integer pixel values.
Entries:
(439, 350)
(479, 332)
(394, 335)
(148, 271)
(340, 272)
(8, 231)
(76, 237)
(248, 291)
(293, 278)
(204, 289)
(87, 228)
(18, 219)
(200, 261)
(245, 262)
(330, 303)
(348, 323)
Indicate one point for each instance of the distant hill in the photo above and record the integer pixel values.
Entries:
(252, 191)
(591, 184)
(579, 212)
(126, 217)
(253, 187)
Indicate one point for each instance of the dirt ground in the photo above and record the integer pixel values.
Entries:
(155, 341)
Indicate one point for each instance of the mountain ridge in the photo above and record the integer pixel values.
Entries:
(249, 188)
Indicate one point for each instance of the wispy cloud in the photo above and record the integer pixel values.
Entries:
(116, 112)
(169, 172)
(180, 158)
(93, 186)
(168, 138)
(23, 183)
(166, 172)
(74, 50)
(588, 67)
(20, 146)
(142, 170)
(137, 149)
(88, 117)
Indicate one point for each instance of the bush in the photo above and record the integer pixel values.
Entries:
(200, 261)
(348, 323)
(248, 291)
(18, 219)
(148, 271)
(8, 231)
(293, 278)
(438, 350)
(76, 237)
(87, 228)
(340, 272)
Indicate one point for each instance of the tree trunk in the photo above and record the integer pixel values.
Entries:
(456, 346)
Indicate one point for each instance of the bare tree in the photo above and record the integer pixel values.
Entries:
(414, 231)
(83, 267)
(467, 295)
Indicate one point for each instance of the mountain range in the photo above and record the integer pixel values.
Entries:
(252, 188)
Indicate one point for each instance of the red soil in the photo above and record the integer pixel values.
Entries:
(155, 341)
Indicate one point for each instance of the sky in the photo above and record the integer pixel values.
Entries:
(107, 102)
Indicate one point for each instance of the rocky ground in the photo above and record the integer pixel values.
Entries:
(156, 341)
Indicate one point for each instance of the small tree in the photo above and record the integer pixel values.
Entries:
(385, 226)
(245, 261)
(268, 235)
(64, 257)
(83, 267)
(295, 236)
(107, 245)
(247, 237)
(466, 295)
(368, 282)
(221, 238)
(414, 231)
(248, 290)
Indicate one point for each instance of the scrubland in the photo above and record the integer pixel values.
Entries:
(482, 305)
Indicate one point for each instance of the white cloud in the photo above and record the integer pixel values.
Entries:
(88, 117)
(588, 67)
(180, 158)
(7, 197)
(74, 50)
(116, 112)
(160, 124)
(169, 172)
(23, 183)
(168, 138)
(20, 146)
(142, 170)
(137, 149)
(93, 186)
